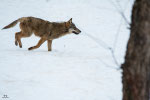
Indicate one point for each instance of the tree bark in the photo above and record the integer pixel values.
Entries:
(136, 68)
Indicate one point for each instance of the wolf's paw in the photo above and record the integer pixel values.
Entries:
(30, 48)
(49, 50)
(16, 43)
(20, 46)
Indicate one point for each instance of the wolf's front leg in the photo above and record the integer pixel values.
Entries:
(49, 44)
(41, 41)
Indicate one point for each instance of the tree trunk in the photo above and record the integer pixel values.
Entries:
(136, 69)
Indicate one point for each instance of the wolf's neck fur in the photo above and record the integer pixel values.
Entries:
(58, 30)
(59, 27)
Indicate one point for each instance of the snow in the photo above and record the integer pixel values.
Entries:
(79, 67)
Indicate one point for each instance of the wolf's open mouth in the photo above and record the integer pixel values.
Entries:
(75, 32)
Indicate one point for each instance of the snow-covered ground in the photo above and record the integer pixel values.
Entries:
(79, 67)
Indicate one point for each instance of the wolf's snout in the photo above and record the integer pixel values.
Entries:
(79, 31)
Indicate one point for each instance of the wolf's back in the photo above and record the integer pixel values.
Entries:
(11, 24)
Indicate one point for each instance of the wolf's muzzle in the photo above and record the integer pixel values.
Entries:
(77, 32)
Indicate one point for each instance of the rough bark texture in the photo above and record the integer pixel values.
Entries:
(136, 69)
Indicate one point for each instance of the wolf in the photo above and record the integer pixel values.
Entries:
(47, 31)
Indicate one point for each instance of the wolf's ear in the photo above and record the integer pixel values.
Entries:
(70, 21)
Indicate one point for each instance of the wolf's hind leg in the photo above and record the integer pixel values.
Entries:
(41, 41)
(18, 37)
(49, 44)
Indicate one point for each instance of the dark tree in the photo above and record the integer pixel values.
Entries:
(136, 68)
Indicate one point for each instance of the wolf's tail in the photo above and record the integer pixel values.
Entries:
(11, 24)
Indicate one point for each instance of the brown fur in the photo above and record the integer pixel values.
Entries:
(46, 30)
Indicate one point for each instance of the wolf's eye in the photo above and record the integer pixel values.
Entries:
(72, 27)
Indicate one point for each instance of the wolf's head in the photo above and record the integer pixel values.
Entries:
(72, 28)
